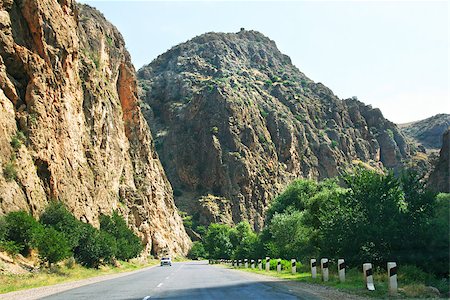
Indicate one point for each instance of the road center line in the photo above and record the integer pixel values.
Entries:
(167, 277)
(159, 285)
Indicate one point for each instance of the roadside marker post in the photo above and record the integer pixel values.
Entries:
(279, 265)
(246, 263)
(313, 268)
(341, 269)
(294, 266)
(368, 276)
(392, 274)
(267, 263)
(239, 263)
(252, 263)
(324, 267)
(260, 264)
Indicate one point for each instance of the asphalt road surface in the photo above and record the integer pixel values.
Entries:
(189, 280)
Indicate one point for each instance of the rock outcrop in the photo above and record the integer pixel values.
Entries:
(427, 132)
(439, 179)
(71, 126)
(234, 118)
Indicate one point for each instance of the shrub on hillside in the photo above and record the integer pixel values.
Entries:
(95, 247)
(59, 218)
(51, 244)
(8, 246)
(128, 244)
(20, 227)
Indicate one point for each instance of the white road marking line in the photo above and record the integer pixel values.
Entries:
(146, 298)
(159, 285)
(167, 277)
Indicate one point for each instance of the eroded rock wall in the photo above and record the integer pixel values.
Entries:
(71, 126)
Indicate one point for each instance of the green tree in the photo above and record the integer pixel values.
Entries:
(197, 251)
(295, 197)
(20, 227)
(95, 247)
(128, 244)
(51, 244)
(289, 237)
(217, 241)
(245, 241)
(436, 259)
(58, 217)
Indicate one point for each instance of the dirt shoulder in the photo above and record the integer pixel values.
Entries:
(37, 293)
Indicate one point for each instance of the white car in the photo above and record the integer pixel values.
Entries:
(166, 261)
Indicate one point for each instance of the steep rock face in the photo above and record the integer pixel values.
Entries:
(440, 177)
(71, 128)
(427, 132)
(232, 117)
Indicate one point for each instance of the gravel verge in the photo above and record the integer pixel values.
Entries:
(40, 292)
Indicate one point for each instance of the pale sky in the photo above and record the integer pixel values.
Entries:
(393, 55)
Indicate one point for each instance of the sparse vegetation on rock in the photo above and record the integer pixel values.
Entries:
(282, 124)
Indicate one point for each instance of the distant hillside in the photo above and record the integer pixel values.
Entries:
(428, 132)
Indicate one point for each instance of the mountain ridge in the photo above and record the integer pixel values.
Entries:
(234, 118)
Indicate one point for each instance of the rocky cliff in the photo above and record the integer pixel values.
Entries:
(440, 177)
(71, 127)
(427, 132)
(233, 118)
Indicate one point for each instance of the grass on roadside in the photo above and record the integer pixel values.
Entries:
(63, 274)
(354, 283)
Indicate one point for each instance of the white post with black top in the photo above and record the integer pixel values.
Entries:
(313, 268)
(239, 263)
(341, 269)
(368, 276)
(392, 274)
(293, 266)
(246, 263)
(324, 267)
(279, 265)
(267, 263)
(260, 264)
(252, 263)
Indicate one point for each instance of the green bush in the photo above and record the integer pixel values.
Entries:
(10, 247)
(20, 227)
(59, 218)
(51, 244)
(9, 171)
(128, 244)
(95, 247)
(285, 264)
(17, 140)
(197, 251)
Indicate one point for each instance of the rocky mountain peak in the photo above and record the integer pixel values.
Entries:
(234, 118)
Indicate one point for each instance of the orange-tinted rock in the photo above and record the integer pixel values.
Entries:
(69, 86)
